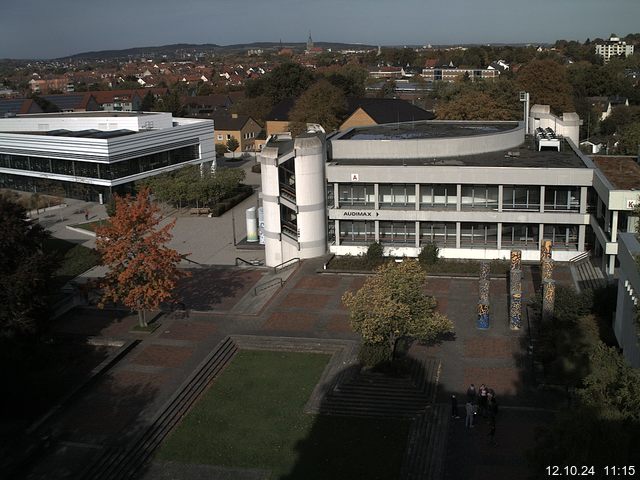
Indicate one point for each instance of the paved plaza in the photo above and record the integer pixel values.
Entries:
(309, 305)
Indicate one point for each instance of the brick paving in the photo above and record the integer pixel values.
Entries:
(309, 305)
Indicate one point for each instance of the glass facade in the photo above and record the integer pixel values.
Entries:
(442, 234)
(563, 237)
(521, 197)
(359, 195)
(357, 232)
(521, 235)
(398, 233)
(562, 198)
(482, 235)
(103, 171)
(400, 196)
(479, 197)
(438, 196)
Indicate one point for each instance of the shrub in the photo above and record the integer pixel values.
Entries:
(220, 150)
(373, 354)
(375, 252)
(256, 168)
(429, 254)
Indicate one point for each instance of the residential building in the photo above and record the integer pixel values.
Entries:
(89, 155)
(614, 47)
(605, 105)
(241, 127)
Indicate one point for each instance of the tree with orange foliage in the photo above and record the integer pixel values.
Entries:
(143, 271)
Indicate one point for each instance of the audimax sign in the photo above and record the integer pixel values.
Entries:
(359, 213)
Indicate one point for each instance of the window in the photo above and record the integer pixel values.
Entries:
(479, 234)
(397, 196)
(520, 235)
(521, 198)
(356, 195)
(442, 234)
(219, 136)
(398, 233)
(479, 197)
(563, 237)
(228, 137)
(562, 198)
(438, 196)
(330, 196)
(357, 232)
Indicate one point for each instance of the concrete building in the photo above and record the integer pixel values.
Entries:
(89, 155)
(452, 74)
(476, 189)
(612, 48)
(625, 325)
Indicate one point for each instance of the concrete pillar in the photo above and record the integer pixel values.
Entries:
(417, 234)
(583, 199)
(542, 190)
(458, 197)
(582, 233)
(337, 227)
(336, 195)
(417, 196)
(376, 191)
(500, 197)
(377, 222)
(458, 228)
(612, 264)
(499, 244)
(614, 226)
(540, 235)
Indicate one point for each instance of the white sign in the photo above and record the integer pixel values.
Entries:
(355, 177)
(631, 204)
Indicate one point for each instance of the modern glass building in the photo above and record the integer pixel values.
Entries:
(89, 155)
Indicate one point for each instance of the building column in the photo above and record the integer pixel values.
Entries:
(417, 234)
(540, 235)
(583, 200)
(612, 264)
(375, 195)
(458, 228)
(499, 233)
(458, 197)
(337, 230)
(500, 197)
(417, 196)
(614, 226)
(377, 223)
(542, 190)
(336, 195)
(582, 232)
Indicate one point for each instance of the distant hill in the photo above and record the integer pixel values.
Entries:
(207, 47)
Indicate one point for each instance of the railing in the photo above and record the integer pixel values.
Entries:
(287, 264)
(252, 263)
(276, 282)
(579, 258)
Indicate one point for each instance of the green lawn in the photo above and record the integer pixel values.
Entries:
(252, 417)
(74, 259)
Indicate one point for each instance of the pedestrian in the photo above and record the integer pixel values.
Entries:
(493, 409)
(86, 214)
(468, 421)
(482, 400)
(471, 393)
(454, 407)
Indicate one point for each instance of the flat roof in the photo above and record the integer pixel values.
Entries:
(622, 172)
(525, 156)
(426, 129)
(92, 133)
(101, 113)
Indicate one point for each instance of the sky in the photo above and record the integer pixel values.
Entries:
(57, 28)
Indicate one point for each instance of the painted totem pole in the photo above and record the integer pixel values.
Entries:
(483, 303)
(515, 290)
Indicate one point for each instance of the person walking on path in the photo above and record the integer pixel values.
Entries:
(468, 421)
(482, 400)
(86, 214)
(471, 393)
(454, 407)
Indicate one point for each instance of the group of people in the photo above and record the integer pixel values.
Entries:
(479, 402)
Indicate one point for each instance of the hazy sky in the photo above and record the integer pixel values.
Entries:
(55, 28)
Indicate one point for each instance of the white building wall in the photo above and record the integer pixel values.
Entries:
(274, 248)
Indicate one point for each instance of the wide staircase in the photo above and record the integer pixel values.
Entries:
(369, 394)
(124, 462)
(426, 446)
(586, 274)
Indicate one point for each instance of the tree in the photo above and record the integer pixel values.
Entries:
(143, 271)
(630, 140)
(473, 105)
(322, 103)
(220, 150)
(232, 144)
(148, 103)
(388, 89)
(548, 84)
(25, 272)
(287, 80)
(392, 304)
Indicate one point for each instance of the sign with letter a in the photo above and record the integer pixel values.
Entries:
(355, 177)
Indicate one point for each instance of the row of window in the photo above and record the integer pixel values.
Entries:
(110, 171)
(445, 196)
(481, 235)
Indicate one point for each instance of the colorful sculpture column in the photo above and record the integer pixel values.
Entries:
(483, 304)
(515, 290)
(548, 299)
